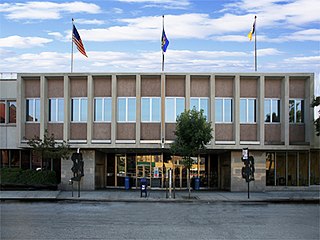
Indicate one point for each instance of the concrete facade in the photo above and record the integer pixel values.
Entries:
(104, 141)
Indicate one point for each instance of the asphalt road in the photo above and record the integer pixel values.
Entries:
(158, 221)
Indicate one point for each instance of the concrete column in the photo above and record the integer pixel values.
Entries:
(285, 111)
(138, 108)
(212, 107)
(66, 94)
(21, 109)
(43, 105)
(90, 109)
(114, 109)
(187, 89)
(309, 92)
(261, 110)
(237, 109)
(163, 103)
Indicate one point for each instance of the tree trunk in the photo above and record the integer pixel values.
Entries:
(188, 182)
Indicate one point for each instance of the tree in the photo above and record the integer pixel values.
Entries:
(315, 103)
(48, 148)
(192, 133)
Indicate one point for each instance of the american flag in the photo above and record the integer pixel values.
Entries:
(77, 41)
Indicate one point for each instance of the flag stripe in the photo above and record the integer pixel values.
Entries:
(78, 42)
(253, 29)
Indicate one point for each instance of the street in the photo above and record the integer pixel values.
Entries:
(90, 220)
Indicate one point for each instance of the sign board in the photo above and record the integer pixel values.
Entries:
(155, 172)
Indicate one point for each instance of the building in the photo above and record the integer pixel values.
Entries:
(124, 123)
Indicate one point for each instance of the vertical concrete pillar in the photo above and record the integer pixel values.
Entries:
(237, 109)
(114, 109)
(21, 109)
(43, 105)
(90, 109)
(285, 111)
(67, 102)
(261, 109)
(212, 107)
(138, 109)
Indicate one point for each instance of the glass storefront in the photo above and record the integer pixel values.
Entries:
(292, 168)
(155, 167)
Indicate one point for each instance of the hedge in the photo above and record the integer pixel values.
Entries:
(17, 176)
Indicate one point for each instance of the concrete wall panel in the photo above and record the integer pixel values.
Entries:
(150, 131)
(101, 131)
(170, 128)
(55, 87)
(296, 133)
(175, 86)
(78, 131)
(248, 87)
(224, 86)
(150, 86)
(126, 86)
(272, 133)
(224, 132)
(200, 86)
(31, 130)
(32, 87)
(56, 129)
(78, 86)
(248, 132)
(273, 87)
(296, 87)
(102, 86)
(126, 131)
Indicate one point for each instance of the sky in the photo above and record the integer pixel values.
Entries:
(124, 36)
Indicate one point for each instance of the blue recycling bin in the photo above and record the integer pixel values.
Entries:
(143, 187)
(196, 183)
(127, 183)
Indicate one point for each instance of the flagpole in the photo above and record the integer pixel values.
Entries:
(255, 44)
(162, 48)
(72, 47)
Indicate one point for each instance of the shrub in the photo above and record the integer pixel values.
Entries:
(17, 176)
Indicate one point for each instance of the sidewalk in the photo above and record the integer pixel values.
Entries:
(161, 196)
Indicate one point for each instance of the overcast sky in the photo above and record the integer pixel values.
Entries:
(124, 36)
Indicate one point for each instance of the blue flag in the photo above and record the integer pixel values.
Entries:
(164, 41)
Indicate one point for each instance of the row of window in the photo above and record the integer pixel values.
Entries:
(8, 111)
(174, 106)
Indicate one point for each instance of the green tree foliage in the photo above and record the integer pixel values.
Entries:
(315, 103)
(48, 148)
(192, 133)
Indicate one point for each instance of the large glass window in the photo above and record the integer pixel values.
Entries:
(292, 169)
(102, 109)
(272, 110)
(126, 109)
(281, 169)
(151, 109)
(56, 110)
(12, 111)
(79, 109)
(33, 110)
(223, 110)
(200, 103)
(270, 168)
(247, 110)
(315, 167)
(174, 107)
(296, 111)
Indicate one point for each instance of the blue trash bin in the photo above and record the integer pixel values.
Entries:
(196, 183)
(127, 183)
(143, 187)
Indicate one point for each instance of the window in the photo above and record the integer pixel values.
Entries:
(33, 110)
(174, 107)
(200, 103)
(2, 111)
(79, 109)
(272, 110)
(151, 109)
(247, 110)
(12, 111)
(126, 109)
(223, 110)
(296, 111)
(102, 109)
(56, 110)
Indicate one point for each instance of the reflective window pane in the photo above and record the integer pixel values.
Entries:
(170, 117)
(37, 110)
(275, 110)
(291, 111)
(145, 109)
(75, 110)
(251, 110)
(194, 103)
(60, 110)
(204, 106)
(98, 109)
(107, 109)
(121, 109)
(267, 113)
(228, 110)
(131, 109)
(12, 106)
(218, 110)
(156, 110)
(83, 110)
(2, 111)
(179, 106)
(243, 110)
(52, 110)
